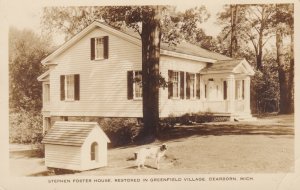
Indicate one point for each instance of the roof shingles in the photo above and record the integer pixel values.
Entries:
(69, 133)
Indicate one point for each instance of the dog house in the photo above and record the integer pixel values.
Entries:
(75, 146)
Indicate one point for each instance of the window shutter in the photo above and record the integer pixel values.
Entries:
(182, 85)
(170, 84)
(92, 48)
(198, 85)
(225, 90)
(62, 87)
(105, 43)
(243, 89)
(77, 86)
(129, 85)
(188, 82)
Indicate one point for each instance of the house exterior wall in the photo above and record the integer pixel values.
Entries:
(65, 157)
(94, 136)
(103, 86)
(177, 106)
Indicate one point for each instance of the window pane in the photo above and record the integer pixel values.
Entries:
(175, 84)
(47, 93)
(99, 48)
(138, 84)
(70, 87)
(192, 85)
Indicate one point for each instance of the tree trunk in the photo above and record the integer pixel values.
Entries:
(291, 73)
(233, 42)
(259, 64)
(151, 33)
(283, 86)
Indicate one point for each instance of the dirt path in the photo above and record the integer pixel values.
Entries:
(264, 146)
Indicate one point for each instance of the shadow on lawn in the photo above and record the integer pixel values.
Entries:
(219, 130)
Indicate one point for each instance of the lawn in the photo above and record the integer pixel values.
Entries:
(263, 146)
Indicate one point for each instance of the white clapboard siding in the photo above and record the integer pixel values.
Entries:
(68, 145)
(103, 83)
(176, 107)
(87, 163)
(59, 156)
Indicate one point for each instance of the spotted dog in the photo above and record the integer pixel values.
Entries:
(155, 152)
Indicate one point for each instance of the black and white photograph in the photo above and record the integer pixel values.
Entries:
(188, 93)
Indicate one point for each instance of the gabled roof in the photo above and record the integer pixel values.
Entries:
(44, 76)
(184, 48)
(71, 133)
(235, 66)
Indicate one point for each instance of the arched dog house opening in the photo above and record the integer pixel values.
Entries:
(76, 146)
(94, 151)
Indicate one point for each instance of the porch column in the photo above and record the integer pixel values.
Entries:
(231, 93)
(247, 95)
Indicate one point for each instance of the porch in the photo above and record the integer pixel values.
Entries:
(226, 88)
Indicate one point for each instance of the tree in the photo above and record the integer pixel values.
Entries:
(145, 20)
(26, 50)
(283, 19)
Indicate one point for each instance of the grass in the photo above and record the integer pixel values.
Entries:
(264, 146)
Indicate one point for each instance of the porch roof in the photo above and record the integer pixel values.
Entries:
(235, 66)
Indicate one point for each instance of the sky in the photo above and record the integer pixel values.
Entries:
(27, 14)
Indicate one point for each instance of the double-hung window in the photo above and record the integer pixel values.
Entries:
(239, 89)
(137, 85)
(46, 94)
(99, 48)
(69, 87)
(134, 85)
(175, 81)
(192, 86)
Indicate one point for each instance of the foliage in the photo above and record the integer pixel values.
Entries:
(120, 131)
(25, 127)
(26, 50)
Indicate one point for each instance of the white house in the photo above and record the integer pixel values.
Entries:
(91, 75)
(75, 146)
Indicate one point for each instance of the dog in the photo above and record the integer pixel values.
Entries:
(155, 152)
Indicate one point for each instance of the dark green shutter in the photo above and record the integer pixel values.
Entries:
(92, 48)
(182, 85)
(105, 43)
(77, 86)
(170, 84)
(243, 89)
(188, 83)
(129, 85)
(198, 85)
(225, 90)
(62, 87)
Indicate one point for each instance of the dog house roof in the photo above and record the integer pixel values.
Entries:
(71, 133)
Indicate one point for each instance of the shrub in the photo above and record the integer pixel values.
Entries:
(120, 131)
(25, 127)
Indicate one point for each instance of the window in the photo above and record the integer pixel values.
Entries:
(137, 85)
(134, 85)
(183, 84)
(99, 48)
(175, 82)
(46, 93)
(94, 151)
(69, 87)
(239, 89)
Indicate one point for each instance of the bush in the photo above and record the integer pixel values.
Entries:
(25, 127)
(120, 131)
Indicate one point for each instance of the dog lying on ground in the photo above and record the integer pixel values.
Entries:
(155, 152)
